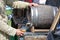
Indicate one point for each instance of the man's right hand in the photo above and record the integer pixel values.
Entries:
(19, 32)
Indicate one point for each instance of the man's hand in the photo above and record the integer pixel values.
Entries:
(19, 32)
(33, 4)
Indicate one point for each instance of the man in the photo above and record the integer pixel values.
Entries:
(6, 30)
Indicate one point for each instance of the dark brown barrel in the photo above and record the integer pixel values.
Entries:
(43, 16)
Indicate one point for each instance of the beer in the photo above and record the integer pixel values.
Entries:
(23, 30)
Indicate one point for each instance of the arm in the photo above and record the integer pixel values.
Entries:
(7, 29)
(10, 2)
(3, 21)
(19, 4)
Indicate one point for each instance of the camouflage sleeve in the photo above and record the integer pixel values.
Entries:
(3, 21)
(6, 28)
(20, 3)
(9, 2)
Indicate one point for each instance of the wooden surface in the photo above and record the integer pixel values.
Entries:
(56, 19)
(41, 30)
(41, 37)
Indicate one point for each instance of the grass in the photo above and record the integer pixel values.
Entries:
(8, 12)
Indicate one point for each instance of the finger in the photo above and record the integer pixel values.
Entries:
(21, 34)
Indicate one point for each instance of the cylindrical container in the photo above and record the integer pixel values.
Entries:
(43, 16)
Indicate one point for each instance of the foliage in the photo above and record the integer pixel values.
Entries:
(8, 12)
